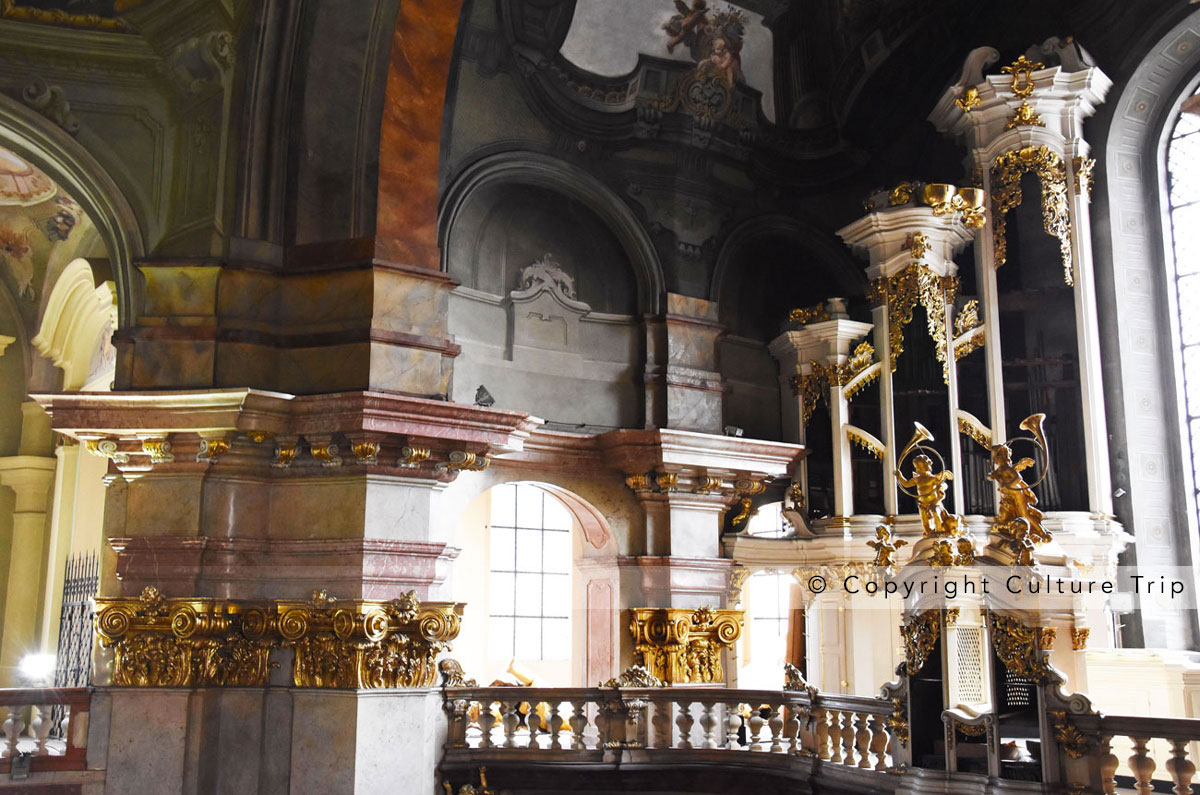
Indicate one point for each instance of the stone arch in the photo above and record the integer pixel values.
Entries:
(833, 261)
(77, 327)
(527, 168)
(1141, 386)
(72, 167)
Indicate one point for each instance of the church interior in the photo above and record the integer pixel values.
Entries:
(604, 396)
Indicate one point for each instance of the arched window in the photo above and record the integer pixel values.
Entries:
(1183, 203)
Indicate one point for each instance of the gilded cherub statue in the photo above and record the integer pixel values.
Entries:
(885, 547)
(930, 494)
(930, 486)
(1017, 499)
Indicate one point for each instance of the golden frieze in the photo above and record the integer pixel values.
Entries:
(680, 645)
(1007, 171)
(205, 642)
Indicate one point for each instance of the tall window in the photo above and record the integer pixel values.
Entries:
(530, 578)
(769, 609)
(1183, 197)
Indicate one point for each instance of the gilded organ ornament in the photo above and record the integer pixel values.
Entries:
(927, 487)
(920, 634)
(902, 292)
(679, 645)
(1007, 171)
(885, 547)
(1018, 517)
(1018, 646)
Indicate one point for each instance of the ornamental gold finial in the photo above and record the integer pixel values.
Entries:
(930, 486)
(968, 100)
(1018, 518)
(1022, 71)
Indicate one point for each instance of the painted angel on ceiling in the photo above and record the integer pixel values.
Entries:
(714, 38)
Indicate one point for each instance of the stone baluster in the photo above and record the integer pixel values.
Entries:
(755, 730)
(862, 741)
(533, 721)
(791, 731)
(733, 722)
(1108, 766)
(685, 721)
(487, 721)
(556, 724)
(879, 742)
(821, 717)
(708, 723)
(775, 724)
(42, 724)
(1142, 765)
(848, 738)
(578, 722)
(662, 721)
(835, 736)
(13, 727)
(509, 717)
(1181, 768)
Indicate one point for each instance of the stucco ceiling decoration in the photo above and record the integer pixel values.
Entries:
(82, 14)
(22, 184)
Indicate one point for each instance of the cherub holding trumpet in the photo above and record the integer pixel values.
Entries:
(930, 486)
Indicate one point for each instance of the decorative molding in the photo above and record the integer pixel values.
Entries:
(901, 292)
(920, 634)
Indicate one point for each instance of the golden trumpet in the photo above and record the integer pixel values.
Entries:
(920, 434)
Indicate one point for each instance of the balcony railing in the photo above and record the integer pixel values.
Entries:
(1093, 748)
(50, 725)
(782, 730)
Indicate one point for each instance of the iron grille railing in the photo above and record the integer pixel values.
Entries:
(81, 583)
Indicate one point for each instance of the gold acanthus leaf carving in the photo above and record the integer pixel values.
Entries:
(193, 642)
(1084, 169)
(678, 645)
(205, 642)
(920, 635)
(1007, 171)
(1024, 116)
(1019, 647)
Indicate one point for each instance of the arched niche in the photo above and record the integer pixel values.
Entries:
(76, 330)
(505, 226)
(569, 182)
(768, 266)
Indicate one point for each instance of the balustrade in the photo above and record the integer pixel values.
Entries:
(583, 725)
(32, 725)
(1110, 752)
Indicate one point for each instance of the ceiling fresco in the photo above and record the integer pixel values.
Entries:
(723, 39)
